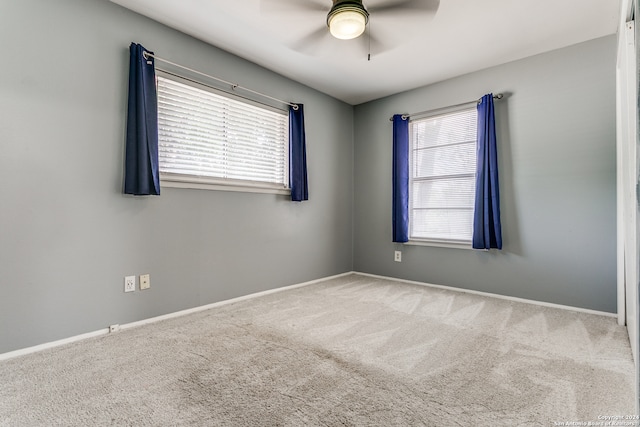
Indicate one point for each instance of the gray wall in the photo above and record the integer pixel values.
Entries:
(67, 234)
(556, 136)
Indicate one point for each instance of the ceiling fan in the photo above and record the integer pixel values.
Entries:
(348, 19)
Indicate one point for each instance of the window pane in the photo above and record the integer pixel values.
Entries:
(444, 161)
(205, 134)
(444, 193)
(451, 128)
(442, 224)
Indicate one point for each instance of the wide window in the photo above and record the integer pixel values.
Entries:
(213, 139)
(442, 176)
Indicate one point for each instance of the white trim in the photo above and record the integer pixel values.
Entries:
(620, 201)
(440, 244)
(201, 184)
(52, 344)
(226, 302)
(488, 294)
(105, 331)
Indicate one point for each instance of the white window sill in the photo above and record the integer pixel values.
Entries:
(220, 185)
(441, 244)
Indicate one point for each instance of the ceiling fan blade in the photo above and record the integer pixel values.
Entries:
(309, 43)
(280, 6)
(406, 6)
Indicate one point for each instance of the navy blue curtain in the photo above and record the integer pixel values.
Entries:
(487, 231)
(400, 193)
(297, 155)
(141, 175)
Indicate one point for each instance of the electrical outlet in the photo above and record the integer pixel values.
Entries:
(397, 257)
(114, 328)
(145, 281)
(130, 283)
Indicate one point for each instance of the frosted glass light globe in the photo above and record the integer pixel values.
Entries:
(347, 24)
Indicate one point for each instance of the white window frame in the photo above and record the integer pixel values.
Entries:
(420, 241)
(175, 180)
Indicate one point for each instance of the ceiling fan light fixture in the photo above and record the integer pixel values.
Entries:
(347, 21)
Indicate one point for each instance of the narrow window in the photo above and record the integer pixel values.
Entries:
(442, 177)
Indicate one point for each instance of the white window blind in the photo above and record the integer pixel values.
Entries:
(442, 177)
(217, 139)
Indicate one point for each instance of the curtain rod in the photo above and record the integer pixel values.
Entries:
(406, 116)
(234, 86)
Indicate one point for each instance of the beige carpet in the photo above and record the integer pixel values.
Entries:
(353, 351)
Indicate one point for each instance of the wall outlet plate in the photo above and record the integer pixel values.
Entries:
(130, 283)
(145, 281)
(397, 256)
(114, 328)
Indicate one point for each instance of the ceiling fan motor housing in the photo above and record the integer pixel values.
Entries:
(347, 5)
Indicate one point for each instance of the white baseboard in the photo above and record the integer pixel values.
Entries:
(105, 331)
(488, 294)
(45, 346)
(229, 301)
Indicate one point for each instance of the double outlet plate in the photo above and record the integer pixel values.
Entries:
(130, 283)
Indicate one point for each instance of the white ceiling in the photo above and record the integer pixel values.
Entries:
(418, 49)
